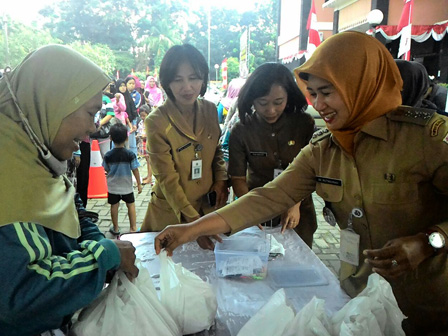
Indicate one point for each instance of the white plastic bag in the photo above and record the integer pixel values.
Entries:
(272, 319)
(373, 312)
(312, 320)
(189, 300)
(356, 319)
(126, 308)
(384, 302)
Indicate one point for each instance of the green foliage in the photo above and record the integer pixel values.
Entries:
(99, 54)
(233, 68)
(139, 32)
(125, 63)
(443, 84)
(21, 41)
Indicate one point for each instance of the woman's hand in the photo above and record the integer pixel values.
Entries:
(206, 243)
(290, 219)
(399, 256)
(127, 252)
(222, 193)
(173, 236)
(117, 96)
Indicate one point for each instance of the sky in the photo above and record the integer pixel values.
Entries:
(27, 10)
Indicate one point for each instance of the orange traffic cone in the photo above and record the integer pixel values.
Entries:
(97, 187)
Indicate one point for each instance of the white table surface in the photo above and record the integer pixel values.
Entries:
(240, 299)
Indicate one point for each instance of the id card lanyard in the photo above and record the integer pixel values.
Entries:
(278, 170)
(349, 248)
(196, 163)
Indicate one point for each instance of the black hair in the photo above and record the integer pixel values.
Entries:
(259, 84)
(144, 108)
(176, 56)
(131, 110)
(118, 133)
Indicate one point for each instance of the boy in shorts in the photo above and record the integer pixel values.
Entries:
(120, 163)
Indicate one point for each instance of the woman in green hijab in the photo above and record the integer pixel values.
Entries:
(52, 262)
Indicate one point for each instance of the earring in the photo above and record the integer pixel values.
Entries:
(253, 109)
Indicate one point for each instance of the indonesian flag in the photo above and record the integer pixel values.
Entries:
(117, 75)
(405, 26)
(224, 73)
(313, 34)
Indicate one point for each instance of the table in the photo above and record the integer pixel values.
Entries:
(239, 299)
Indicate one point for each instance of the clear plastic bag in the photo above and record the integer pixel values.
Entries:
(126, 308)
(312, 320)
(189, 300)
(272, 319)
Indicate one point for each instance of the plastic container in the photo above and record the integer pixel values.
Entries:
(296, 276)
(242, 257)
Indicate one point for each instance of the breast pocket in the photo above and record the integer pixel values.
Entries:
(395, 193)
(329, 192)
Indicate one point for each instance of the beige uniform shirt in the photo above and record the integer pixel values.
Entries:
(398, 177)
(172, 145)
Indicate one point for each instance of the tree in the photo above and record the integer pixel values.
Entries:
(99, 54)
(233, 68)
(21, 41)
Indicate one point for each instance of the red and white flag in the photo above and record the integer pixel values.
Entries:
(313, 34)
(224, 73)
(117, 75)
(405, 26)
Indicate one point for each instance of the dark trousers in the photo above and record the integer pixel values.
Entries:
(82, 173)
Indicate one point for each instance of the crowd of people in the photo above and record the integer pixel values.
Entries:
(380, 165)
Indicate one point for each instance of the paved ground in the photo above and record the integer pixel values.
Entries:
(326, 238)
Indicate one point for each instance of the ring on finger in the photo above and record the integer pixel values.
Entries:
(394, 263)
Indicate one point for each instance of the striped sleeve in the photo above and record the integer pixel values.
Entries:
(39, 283)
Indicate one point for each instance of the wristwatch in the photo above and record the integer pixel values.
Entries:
(436, 239)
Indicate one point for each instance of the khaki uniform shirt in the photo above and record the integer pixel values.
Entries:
(398, 177)
(172, 146)
(257, 148)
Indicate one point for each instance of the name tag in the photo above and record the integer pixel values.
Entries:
(258, 154)
(327, 180)
(277, 172)
(349, 248)
(180, 149)
(196, 169)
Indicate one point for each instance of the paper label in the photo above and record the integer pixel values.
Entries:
(349, 250)
(239, 266)
(196, 169)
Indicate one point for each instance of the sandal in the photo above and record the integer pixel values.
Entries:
(115, 233)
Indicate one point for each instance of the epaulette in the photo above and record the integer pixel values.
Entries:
(415, 115)
(320, 135)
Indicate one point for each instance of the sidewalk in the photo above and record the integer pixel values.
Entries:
(326, 238)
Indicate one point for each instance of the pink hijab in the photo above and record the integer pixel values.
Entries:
(138, 84)
(232, 92)
(155, 94)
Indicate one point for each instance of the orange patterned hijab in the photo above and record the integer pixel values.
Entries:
(365, 75)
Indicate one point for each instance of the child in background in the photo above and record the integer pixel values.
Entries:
(119, 105)
(141, 134)
(120, 163)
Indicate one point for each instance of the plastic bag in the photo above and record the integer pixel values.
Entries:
(189, 300)
(126, 308)
(373, 312)
(384, 302)
(312, 320)
(272, 319)
(356, 319)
